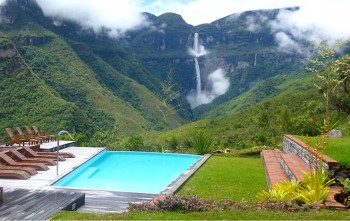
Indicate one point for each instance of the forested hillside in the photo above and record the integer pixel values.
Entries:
(58, 75)
(26, 98)
(92, 95)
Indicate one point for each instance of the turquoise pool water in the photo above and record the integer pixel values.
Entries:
(141, 172)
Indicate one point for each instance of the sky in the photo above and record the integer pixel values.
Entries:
(322, 18)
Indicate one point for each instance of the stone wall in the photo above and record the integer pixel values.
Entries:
(309, 155)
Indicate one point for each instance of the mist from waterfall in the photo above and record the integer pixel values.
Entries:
(217, 83)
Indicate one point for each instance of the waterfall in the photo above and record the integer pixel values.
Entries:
(198, 77)
(216, 82)
(198, 72)
(256, 54)
(196, 45)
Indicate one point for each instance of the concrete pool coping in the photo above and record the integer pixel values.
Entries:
(99, 201)
(181, 180)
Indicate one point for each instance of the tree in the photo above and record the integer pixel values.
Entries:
(327, 70)
(169, 95)
(341, 98)
(134, 143)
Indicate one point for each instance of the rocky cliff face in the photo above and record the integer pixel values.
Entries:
(7, 51)
(8, 56)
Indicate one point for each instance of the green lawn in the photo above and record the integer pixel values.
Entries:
(338, 148)
(227, 177)
(220, 177)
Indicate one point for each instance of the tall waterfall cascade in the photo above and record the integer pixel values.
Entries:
(198, 71)
(216, 82)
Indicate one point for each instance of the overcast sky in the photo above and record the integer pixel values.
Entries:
(318, 18)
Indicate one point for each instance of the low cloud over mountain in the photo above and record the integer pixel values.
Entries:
(117, 16)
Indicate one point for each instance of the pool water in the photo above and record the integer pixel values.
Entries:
(141, 172)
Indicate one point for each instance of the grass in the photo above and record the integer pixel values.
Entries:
(338, 148)
(227, 177)
(222, 215)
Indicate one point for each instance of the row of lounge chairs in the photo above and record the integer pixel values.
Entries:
(32, 137)
(23, 162)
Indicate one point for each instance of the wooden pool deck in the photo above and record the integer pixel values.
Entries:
(96, 201)
(26, 204)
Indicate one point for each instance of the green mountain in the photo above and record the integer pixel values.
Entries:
(26, 98)
(284, 104)
(57, 74)
(246, 56)
(80, 90)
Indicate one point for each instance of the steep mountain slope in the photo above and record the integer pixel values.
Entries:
(248, 119)
(102, 96)
(61, 69)
(26, 99)
(127, 89)
(118, 82)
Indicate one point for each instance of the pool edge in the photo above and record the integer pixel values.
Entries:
(51, 184)
(182, 179)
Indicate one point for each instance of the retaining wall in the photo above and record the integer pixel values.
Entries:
(309, 155)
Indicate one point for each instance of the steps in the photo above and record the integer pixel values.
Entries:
(281, 166)
(293, 166)
(273, 170)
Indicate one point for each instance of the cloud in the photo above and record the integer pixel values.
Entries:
(326, 21)
(197, 12)
(254, 22)
(217, 85)
(1, 3)
(316, 20)
(118, 16)
(287, 44)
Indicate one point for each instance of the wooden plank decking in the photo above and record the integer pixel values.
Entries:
(25, 204)
(34, 198)
(101, 201)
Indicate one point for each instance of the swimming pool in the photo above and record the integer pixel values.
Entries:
(141, 172)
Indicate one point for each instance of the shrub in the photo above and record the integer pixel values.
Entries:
(178, 203)
(344, 196)
(282, 191)
(173, 144)
(81, 139)
(312, 191)
(108, 138)
(201, 142)
(135, 143)
(346, 185)
(314, 188)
